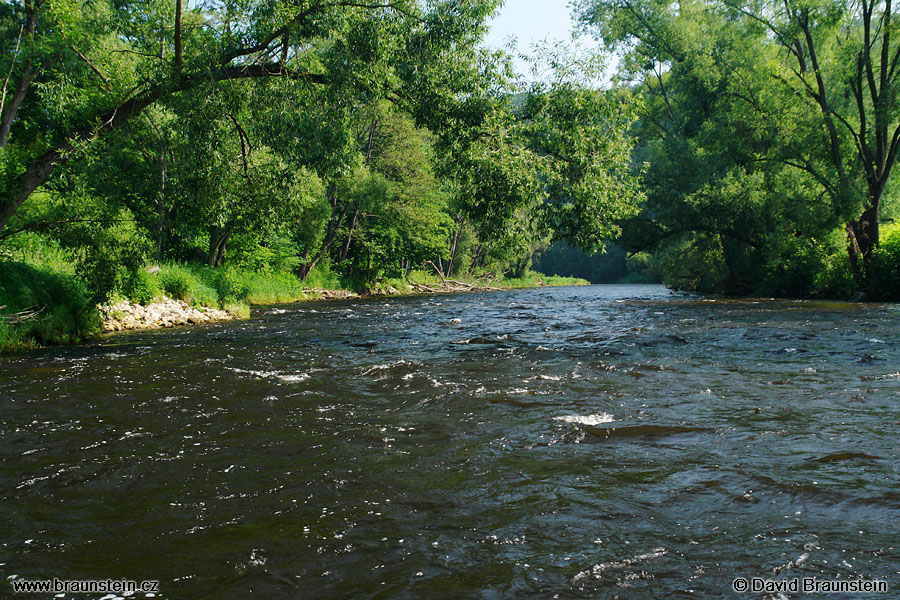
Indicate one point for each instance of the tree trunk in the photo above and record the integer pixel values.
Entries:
(346, 248)
(862, 237)
(454, 244)
(218, 239)
(303, 271)
(334, 224)
(36, 174)
(480, 253)
(162, 212)
(9, 114)
(176, 64)
(213, 246)
(220, 258)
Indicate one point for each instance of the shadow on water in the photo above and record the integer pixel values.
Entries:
(570, 442)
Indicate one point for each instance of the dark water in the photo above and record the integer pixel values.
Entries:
(572, 442)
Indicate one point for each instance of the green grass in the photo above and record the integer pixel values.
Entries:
(431, 279)
(57, 310)
(533, 279)
(41, 306)
(234, 289)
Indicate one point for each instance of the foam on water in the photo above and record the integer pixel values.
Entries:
(594, 419)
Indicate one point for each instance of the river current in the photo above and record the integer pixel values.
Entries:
(582, 442)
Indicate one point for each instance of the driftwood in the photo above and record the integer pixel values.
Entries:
(452, 285)
(465, 285)
(29, 314)
(438, 271)
(419, 286)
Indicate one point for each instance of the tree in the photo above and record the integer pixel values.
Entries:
(78, 73)
(553, 159)
(802, 93)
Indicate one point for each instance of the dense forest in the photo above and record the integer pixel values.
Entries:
(152, 147)
(766, 140)
(207, 150)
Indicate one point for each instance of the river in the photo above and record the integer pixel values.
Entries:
(603, 441)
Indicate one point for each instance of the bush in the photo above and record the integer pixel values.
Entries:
(323, 277)
(141, 287)
(189, 284)
(273, 288)
(108, 249)
(42, 307)
(834, 279)
(884, 270)
(232, 284)
(176, 282)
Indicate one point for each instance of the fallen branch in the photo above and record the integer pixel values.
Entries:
(419, 286)
(466, 285)
(438, 271)
(28, 314)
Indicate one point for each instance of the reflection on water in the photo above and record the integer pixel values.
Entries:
(569, 442)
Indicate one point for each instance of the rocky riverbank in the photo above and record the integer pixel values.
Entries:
(166, 312)
(124, 316)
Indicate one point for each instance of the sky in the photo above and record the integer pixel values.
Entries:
(530, 21)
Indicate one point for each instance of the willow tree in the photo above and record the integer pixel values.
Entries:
(75, 71)
(811, 84)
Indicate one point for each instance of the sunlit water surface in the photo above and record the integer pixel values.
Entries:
(572, 442)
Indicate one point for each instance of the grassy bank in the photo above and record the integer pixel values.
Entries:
(45, 303)
(40, 306)
(414, 281)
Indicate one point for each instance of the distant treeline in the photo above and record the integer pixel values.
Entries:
(766, 141)
(363, 140)
(611, 266)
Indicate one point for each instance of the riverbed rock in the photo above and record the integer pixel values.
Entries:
(165, 312)
(323, 294)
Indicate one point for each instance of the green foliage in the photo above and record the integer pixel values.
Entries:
(228, 286)
(759, 134)
(338, 143)
(231, 284)
(608, 266)
(189, 283)
(141, 287)
(41, 307)
(884, 278)
(529, 279)
(273, 254)
(833, 279)
(642, 267)
(177, 282)
(323, 277)
(694, 262)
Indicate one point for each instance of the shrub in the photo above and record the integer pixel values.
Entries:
(884, 269)
(141, 287)
(232, 284)
(176, 282)
(42, 307)
(833, 278)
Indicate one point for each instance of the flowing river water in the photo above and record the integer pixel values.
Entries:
(603, 441)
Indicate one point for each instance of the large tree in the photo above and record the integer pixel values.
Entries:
(799, 85)
(75, 72)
